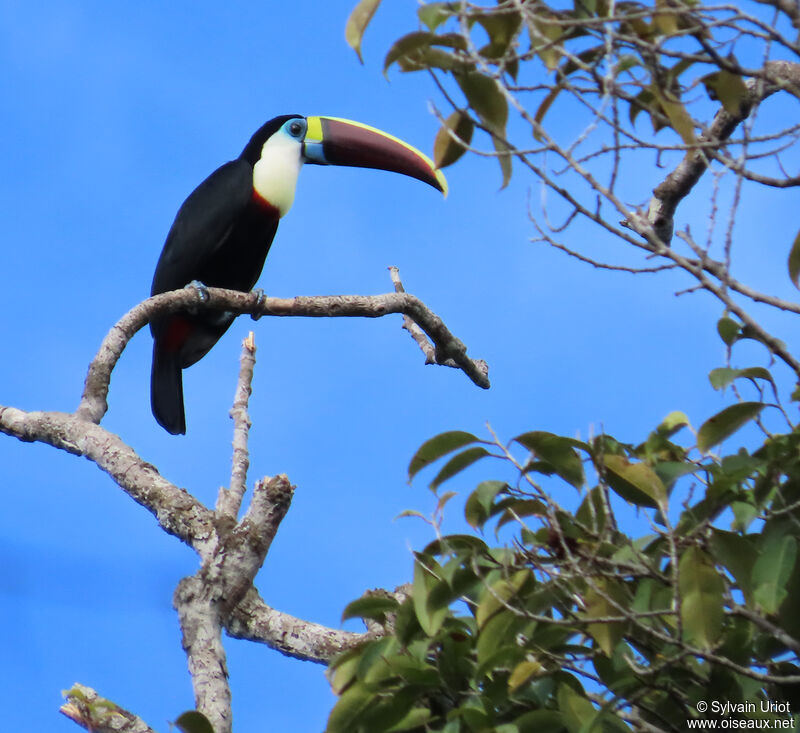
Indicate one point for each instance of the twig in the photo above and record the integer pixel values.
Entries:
(416, 332)
(438, 354)
(229, 500)
(98, 715)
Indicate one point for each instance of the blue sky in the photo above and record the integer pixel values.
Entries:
(112, 114)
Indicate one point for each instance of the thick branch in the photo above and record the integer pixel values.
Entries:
(677, 185)
(254, 620)
(177, 511)
(204, 600)
(93, 403)
(202, 642)
(246, 547)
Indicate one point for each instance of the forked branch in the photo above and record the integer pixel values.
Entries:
(221, 594)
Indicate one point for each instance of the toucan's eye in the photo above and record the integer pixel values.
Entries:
(296, 128)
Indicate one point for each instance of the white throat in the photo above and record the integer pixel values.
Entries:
(275, 173)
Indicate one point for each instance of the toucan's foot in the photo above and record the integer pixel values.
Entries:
(202, 290)
(260, 298)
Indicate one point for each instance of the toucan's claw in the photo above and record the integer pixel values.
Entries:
(260, 298)
(202, 290)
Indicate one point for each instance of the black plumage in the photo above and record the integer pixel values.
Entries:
(223, 231)
(220, 237)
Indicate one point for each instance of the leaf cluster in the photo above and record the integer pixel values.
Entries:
(641, 53)
(572, 624)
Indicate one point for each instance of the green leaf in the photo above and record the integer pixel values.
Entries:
(679, 119)
(373, 661)
(415, 718)
(486, 98)
(472, 713)
(357, 23)
(540, 721)
(502, 29)
(429, 57)
(558, 452)
(193, 722)
(433, 15)
(374, 607)
(407, 44)
(606, 598)
(432, 450)
(546, 37)
(724, 424)
(349, 708)
(496, 647)
(728, 88)
(738, 556)
(665, 23)
(702, 605)
(523, 673)
(478, 507)
(772, 570)
(496, 641)
(794, 262)
(634, 482)
(723, 376)
(390, 663)
(744, 513)
(516, 509)
(626, 63)
(452, 543)
(458, 463)
(406, 625)
(447, 151)
(672, 423)
(430, 612)
(547, 102)
(503, 151)
(728, 330)
(418, 41)
(577, 712)
(501, 594)
(670, 471)
(643, 101)
(343, 670)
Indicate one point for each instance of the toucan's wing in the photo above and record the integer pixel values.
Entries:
(202, 225)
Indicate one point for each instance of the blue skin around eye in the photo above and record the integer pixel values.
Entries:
(290, 124)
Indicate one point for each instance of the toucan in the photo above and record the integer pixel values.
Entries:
(223, 231)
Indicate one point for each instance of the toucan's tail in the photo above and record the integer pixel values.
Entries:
(166, 391)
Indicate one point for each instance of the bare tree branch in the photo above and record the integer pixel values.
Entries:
(478, 370)
(677, 185)
(177, 511)
(229, 500)
(93, 403)
(198, 614)
(221, 594)
(205, 599)
(254, 620)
